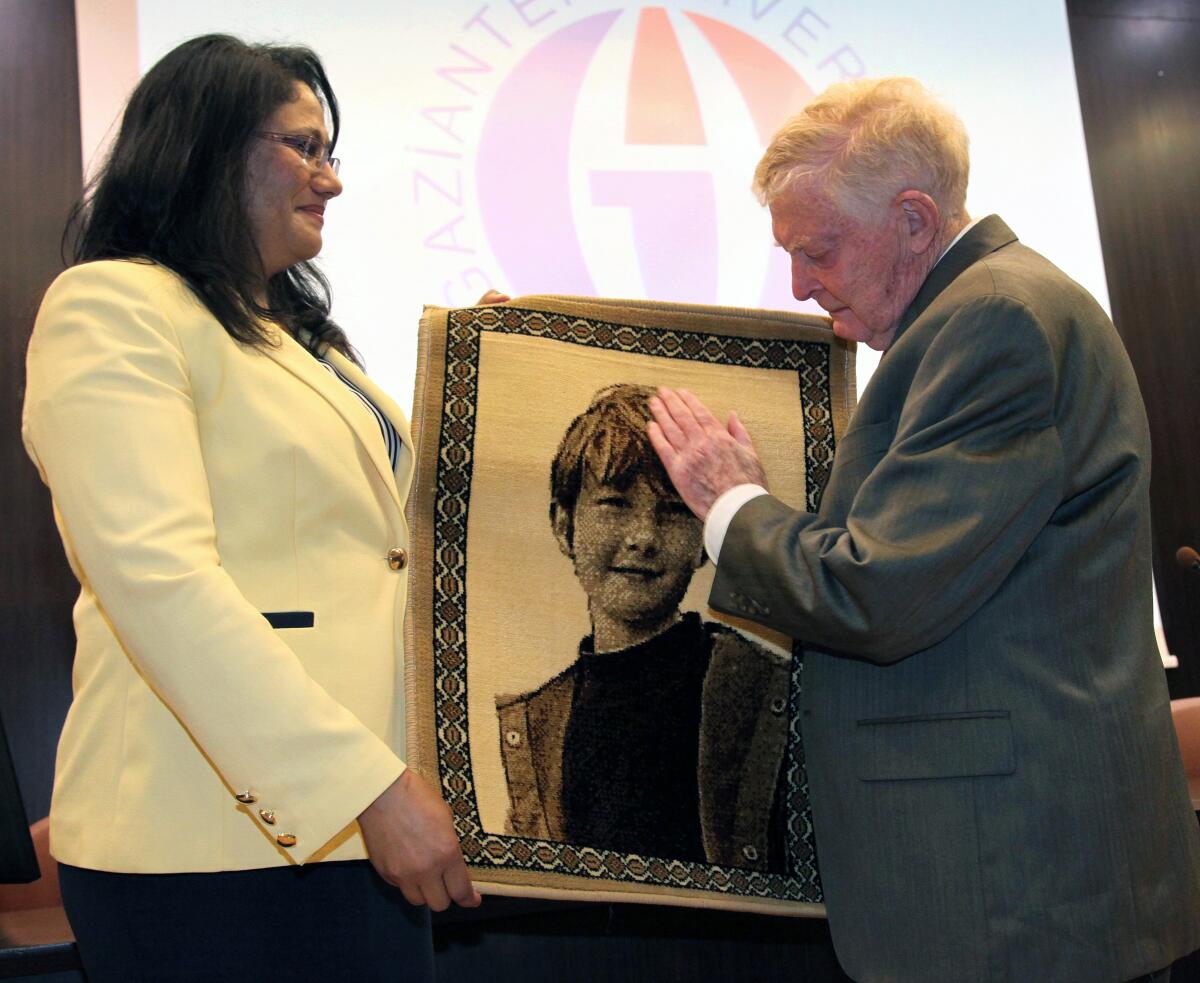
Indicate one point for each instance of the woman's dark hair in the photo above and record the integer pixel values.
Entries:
(173, 187)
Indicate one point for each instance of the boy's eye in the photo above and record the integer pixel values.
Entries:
(673, 507)
(612, 501)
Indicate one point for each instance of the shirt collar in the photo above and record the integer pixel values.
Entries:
(962, 232)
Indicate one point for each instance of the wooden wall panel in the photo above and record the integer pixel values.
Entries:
(40, 158)
(1138, 68)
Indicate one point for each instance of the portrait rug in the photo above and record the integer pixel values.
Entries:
(598, 732)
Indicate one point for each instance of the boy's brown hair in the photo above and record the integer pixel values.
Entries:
(609, 441)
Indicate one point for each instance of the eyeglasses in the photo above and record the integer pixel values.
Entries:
(311, 150)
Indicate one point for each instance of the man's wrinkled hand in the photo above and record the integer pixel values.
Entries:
(703, 458)
(411, 843)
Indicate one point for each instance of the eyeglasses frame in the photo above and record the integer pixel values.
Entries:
(297, 142)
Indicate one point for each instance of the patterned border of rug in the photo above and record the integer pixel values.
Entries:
(475, 365)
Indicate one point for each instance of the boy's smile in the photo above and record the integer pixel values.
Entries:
(635, 571)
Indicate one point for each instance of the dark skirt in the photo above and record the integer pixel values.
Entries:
(324, 921)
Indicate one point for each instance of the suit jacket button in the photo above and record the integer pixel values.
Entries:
(397, 558)
(512, 738)
(286, 839)
(750, 852)
(247, 797)
(778, 705)
(268, 816)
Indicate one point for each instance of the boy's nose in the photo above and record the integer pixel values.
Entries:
(641, 531)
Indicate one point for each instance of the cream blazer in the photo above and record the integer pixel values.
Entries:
(206, 491)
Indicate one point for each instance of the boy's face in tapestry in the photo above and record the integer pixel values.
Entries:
(635, 549)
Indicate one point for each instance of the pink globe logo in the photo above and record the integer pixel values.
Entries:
(528, 193)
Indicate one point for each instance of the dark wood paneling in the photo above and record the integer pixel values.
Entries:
(1139, 90)
(40, 158)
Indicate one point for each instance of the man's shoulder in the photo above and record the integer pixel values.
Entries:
(1004, 296)
(1002, 268)
(1021, 272)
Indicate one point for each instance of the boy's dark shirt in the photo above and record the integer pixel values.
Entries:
(630, 752)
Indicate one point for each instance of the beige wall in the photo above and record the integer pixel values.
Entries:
(106, 39)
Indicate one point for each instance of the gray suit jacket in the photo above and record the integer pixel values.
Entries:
(995, 780)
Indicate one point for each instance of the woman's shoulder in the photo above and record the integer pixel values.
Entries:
(103, 303)
(134, 286)
(136, 275)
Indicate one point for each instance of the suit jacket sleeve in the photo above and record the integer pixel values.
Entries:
(943, 509)
(111, 423)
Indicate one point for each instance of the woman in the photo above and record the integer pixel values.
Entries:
(229, 488)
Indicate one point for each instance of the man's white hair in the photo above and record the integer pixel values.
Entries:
(863, 142)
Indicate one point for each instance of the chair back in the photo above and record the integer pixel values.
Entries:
(1186, 714)
(43, 892)
(18, 863)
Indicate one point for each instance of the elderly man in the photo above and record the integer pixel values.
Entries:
(995, 781)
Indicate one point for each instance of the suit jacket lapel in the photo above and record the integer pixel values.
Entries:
(292, 356)
(986, 237)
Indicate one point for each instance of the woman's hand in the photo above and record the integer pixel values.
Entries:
(411, 842)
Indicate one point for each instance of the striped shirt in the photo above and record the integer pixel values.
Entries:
(390, 437)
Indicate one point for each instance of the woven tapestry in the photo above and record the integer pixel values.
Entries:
(597, 731)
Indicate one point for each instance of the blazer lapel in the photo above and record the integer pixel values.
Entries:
(986, 237)
(292, 356)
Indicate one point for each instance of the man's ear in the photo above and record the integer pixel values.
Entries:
(560, 521)
(920, 219)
